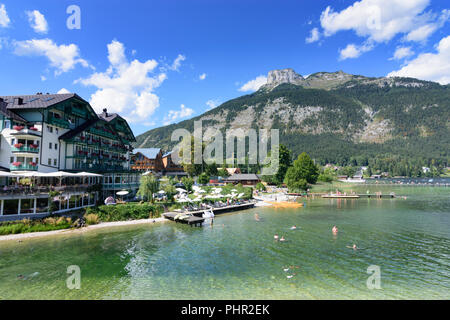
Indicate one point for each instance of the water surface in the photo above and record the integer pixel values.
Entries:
(238, 258)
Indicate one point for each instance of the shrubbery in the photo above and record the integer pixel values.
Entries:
(27, 225)
(123, 212)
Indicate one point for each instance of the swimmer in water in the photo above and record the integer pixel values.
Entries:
(275, 237)
(354, 247)
(334, 230)
(282, 239)
(291, 276)
(293, 227)
(257, 217)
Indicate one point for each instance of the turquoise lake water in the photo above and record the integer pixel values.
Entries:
(238, 258)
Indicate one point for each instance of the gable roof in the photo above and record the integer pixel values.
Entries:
(10, 114)
(232, 171)
(150, 153)
(108, 117)
(37, 101)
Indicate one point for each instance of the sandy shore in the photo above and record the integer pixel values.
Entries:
(22, 236)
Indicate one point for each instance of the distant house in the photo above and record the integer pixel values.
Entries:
(147, 159)
(232, 171)
(249, 179)
(170, 168)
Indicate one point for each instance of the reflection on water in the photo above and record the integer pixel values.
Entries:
(237, 258)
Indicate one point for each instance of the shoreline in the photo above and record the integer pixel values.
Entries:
(31, 235)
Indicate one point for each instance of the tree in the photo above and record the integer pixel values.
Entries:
(148, 186)
(170, 190)
(191, 168)
(188, 183)
(203, 178)
(211, 169)
(284, 163)
(285, 156)
(260, 186)
(303, 171)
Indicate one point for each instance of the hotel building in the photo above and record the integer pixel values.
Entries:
(48, 133)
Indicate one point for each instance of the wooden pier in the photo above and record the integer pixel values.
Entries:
(196, 217)
(192, 220)
(357, 196)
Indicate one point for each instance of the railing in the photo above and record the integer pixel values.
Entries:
(23, 167)
(25, 149)
(121, 185)
(59, 122)
(27, 190)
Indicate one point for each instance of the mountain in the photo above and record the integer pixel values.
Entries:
(337, 117)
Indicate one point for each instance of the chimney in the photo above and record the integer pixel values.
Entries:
(105, 112)
(18, 101)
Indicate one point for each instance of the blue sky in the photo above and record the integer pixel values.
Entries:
(159, 62)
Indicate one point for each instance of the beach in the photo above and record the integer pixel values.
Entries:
(30, 235)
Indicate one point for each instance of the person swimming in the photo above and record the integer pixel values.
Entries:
(257, 217)
(275, 237)
(354, 247)
(293, 227)
(290, 276)
(334, 230)
(282, 238)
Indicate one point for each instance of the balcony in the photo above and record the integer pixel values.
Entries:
(60, 122)
(25, 149)
(23, 167)
(23, 132)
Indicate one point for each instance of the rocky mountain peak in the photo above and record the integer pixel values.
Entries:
(288, 75)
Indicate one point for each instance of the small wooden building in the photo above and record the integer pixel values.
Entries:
(249, 179)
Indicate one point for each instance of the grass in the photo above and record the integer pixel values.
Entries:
(27, 225)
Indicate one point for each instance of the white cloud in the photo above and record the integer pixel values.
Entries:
(202, 76)
(63, 90)
(254, 85)
(177, 62)
(402, 52)
(37, 21)
(314, 36)
(174, 115)
(429, 66)
(422, 33)
(62, 57)
(126, 87)
(381, 20)
(43, 78)
(4, 19)
(212, 104)
(354, 51)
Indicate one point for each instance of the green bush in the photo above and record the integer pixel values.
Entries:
(260, 186)
(123, 212)
(27, 225)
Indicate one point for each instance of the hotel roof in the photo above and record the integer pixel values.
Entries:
(9, 114)
(36, 101)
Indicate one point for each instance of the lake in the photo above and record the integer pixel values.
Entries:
(238, 258)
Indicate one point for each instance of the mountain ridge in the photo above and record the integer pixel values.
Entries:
(353, 110)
